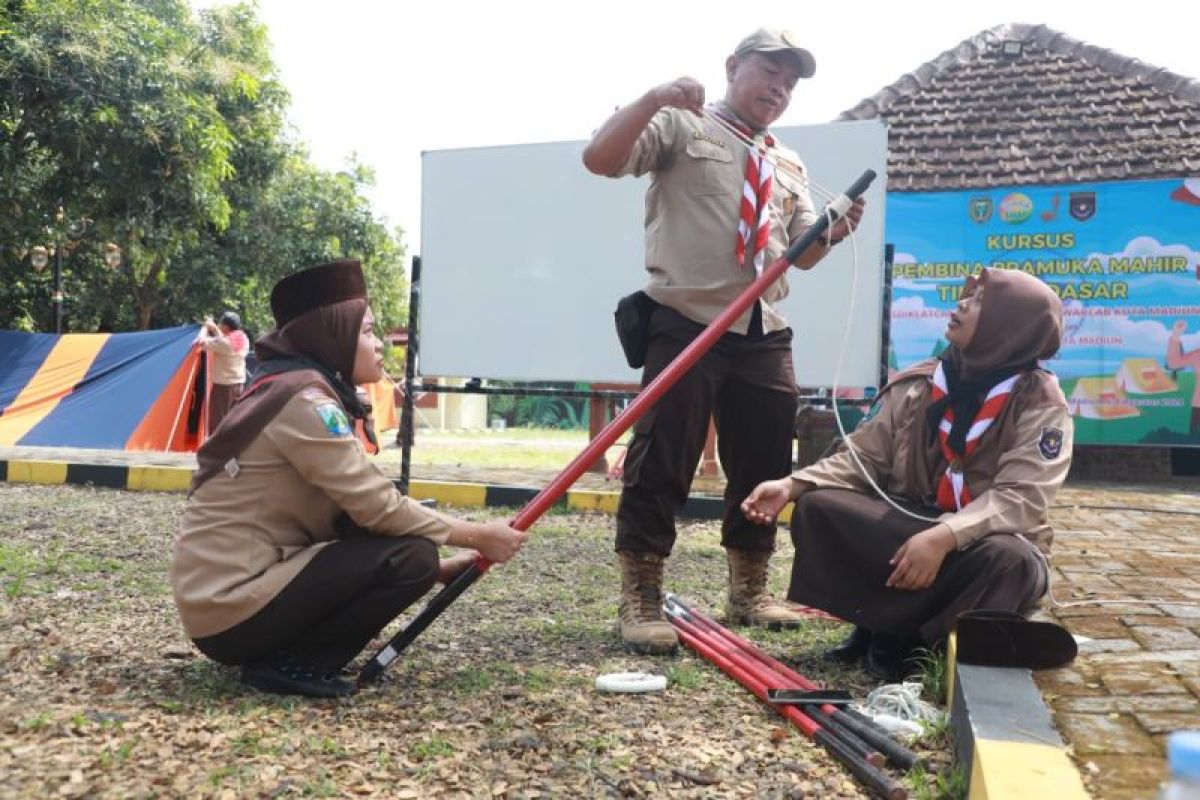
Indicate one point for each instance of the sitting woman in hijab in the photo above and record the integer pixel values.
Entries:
(295, 549)
(970, 449)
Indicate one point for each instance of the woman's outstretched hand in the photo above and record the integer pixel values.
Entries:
(762, 506)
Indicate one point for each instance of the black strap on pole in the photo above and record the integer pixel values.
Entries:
(410, 371)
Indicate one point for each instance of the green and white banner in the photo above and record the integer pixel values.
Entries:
(1125, 259)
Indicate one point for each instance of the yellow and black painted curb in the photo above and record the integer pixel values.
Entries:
(492, 495)
(112, 476)
(453, 493)
(1005, 737)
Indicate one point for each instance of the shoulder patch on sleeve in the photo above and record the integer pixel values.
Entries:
(1050, 443)
(333, 418)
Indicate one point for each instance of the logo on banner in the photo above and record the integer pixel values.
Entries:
(1083, 205)
(1015, 208)
(980, 209)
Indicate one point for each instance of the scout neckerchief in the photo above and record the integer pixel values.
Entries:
(754, 218)
(356, 404)
(952, 490)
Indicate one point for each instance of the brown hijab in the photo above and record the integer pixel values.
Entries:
(1020, 323)
(319, 314)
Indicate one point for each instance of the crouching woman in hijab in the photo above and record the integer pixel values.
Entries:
(295, 549)
(974, 445)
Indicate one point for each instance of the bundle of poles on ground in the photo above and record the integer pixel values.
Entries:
(851, 737)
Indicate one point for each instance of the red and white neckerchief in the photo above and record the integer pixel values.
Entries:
(952, 491)
(754, 215)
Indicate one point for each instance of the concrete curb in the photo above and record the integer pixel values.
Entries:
(1004, 735)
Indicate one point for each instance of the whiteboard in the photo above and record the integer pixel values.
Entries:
(525, 254)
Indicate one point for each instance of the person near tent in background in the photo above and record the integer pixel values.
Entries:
(227, 344)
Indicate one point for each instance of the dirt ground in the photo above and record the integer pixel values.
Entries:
(103, 695)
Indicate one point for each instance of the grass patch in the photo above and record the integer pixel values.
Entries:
(433, 747)
(514, 448)
(934, 674)
(472, 680)
(948, 784)
(686, 676)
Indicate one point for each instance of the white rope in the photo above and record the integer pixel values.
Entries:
(901, 700)
(899, 709)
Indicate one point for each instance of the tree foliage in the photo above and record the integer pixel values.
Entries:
(164, 132)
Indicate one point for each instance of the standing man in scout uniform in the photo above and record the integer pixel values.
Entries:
(977, 442)
(295, 549)
(717, 210)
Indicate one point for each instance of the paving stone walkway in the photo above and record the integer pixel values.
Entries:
(1137, 677)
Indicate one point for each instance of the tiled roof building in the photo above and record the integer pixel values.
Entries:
(1024, 104)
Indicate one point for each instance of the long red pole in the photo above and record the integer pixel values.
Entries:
(544, 499)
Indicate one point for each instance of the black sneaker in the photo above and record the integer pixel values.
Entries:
(287, 675)
(892, 658)
(852, 648)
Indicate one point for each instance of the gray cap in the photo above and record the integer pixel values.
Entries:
(768, 41)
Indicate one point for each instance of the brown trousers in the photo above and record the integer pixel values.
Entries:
(339, 601)
(747, 384)
(220, 400)
(844, 540)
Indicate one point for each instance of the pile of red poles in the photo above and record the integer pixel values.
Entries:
(852, 738)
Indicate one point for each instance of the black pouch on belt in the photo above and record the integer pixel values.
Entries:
(633, 326)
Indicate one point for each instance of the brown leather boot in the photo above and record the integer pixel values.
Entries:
(749, 603)
(640, 619)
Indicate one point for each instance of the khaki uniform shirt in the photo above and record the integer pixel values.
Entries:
(248, 531)
(1013, 476)
(228, 362)
(692, 213)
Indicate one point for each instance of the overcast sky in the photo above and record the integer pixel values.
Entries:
(388, 80)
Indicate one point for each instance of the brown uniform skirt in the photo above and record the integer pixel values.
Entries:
(845, 539)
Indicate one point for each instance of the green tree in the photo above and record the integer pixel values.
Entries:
(167, 130)
(305, 216)
(109, 109)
